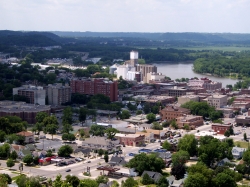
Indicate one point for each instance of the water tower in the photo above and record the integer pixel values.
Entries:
(134, 57)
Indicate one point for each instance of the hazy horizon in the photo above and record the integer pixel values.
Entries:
(148, 16)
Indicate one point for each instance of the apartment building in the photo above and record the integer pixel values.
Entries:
(221, 128)
(34, 94)
(186, 98)
(172, 112)
(58, 94)
(217, 101)
(131, 139)
(144, 69)
(176, 91)
(95, 86)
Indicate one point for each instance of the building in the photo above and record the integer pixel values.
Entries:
(172, 112)
(122, 71)
(95, 86)
(242, 120)
(153, 76)
(186, 98)
(155, 176)
(35, 94)
(58, 94)
(211, 86)
(237, 152)
(96, 143)
(205, 83)
(27, 112)
(144, 69)
(221, 128)
(190, 120)
(29, 137)
(176, 91)
(131, 139)
(217, 101)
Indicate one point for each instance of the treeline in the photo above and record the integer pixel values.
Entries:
(235, 66)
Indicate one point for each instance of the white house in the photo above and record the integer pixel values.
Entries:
(237, 152)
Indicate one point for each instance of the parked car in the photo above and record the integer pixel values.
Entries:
(68, 170)
(78, 159)
(89, 161)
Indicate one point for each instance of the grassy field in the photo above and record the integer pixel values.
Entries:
(241, 144)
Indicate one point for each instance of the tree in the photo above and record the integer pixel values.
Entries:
(146, 162)
(146, 108)
(106, 157)
(81, 133)
(151, 117)
(178, 170)
(51, 129)
(111, 132)
(2, 136)
(100, 152)
(38, 127)
(34, 181)
(180, 157)
(174, 124)
(246, 157)
(4, 150)
(13, 155)
(36, 160)
(73, 180)
(50, 120)
(223, 179)
(65, 151)
(97, 130)
(3, 181)
(129, 182)
(40, 116)
(138, 112)
(67, 116)
(188, 143)
(28, 159)
(88, 182)
(102, 179)
(166, 145)
(196, 180)
(22, 180)
(146, 179)
(125, 114)
(7, 177)
(186, 127)
(157, 126)
(10, 163)
(67, 128)
(115, 184)
(245, 136)
(162, 182)
(227, 133)
(82, 114)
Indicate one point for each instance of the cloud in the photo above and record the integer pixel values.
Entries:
(126, 15)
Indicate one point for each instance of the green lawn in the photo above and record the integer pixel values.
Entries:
(242, 144)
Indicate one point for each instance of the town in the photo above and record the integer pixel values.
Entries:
(126, 125)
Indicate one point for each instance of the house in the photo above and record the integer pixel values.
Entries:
(171, 180)
(237, 152)
(153, 175)
(29, 137)
(115, 160)
(30, 147)
(223, 162)
(82, 152)
(177, 183)
(39, 154)
(23, 153)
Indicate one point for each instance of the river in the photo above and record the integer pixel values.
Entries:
(184, 70)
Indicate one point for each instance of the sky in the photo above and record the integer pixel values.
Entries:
(213, 16)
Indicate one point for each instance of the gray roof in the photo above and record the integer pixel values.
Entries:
(98, 141)
(165, 155)
(239, 149)
(84, 151)
(170, 179)
(177, 183)
(153, 175)
(117, 160)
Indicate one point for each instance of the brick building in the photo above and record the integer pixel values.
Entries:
(131, 139)
(190, 120)
(27, 112)
(95, 86)
(221, 128)
(172, 112)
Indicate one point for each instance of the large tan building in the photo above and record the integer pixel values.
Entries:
(144, 69)
(217, 101)
(186, 98)
(172, 112)
(190, 120)
(152, 76)
(58, 94)
(131, 139)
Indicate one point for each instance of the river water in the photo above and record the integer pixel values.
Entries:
(184, 70)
